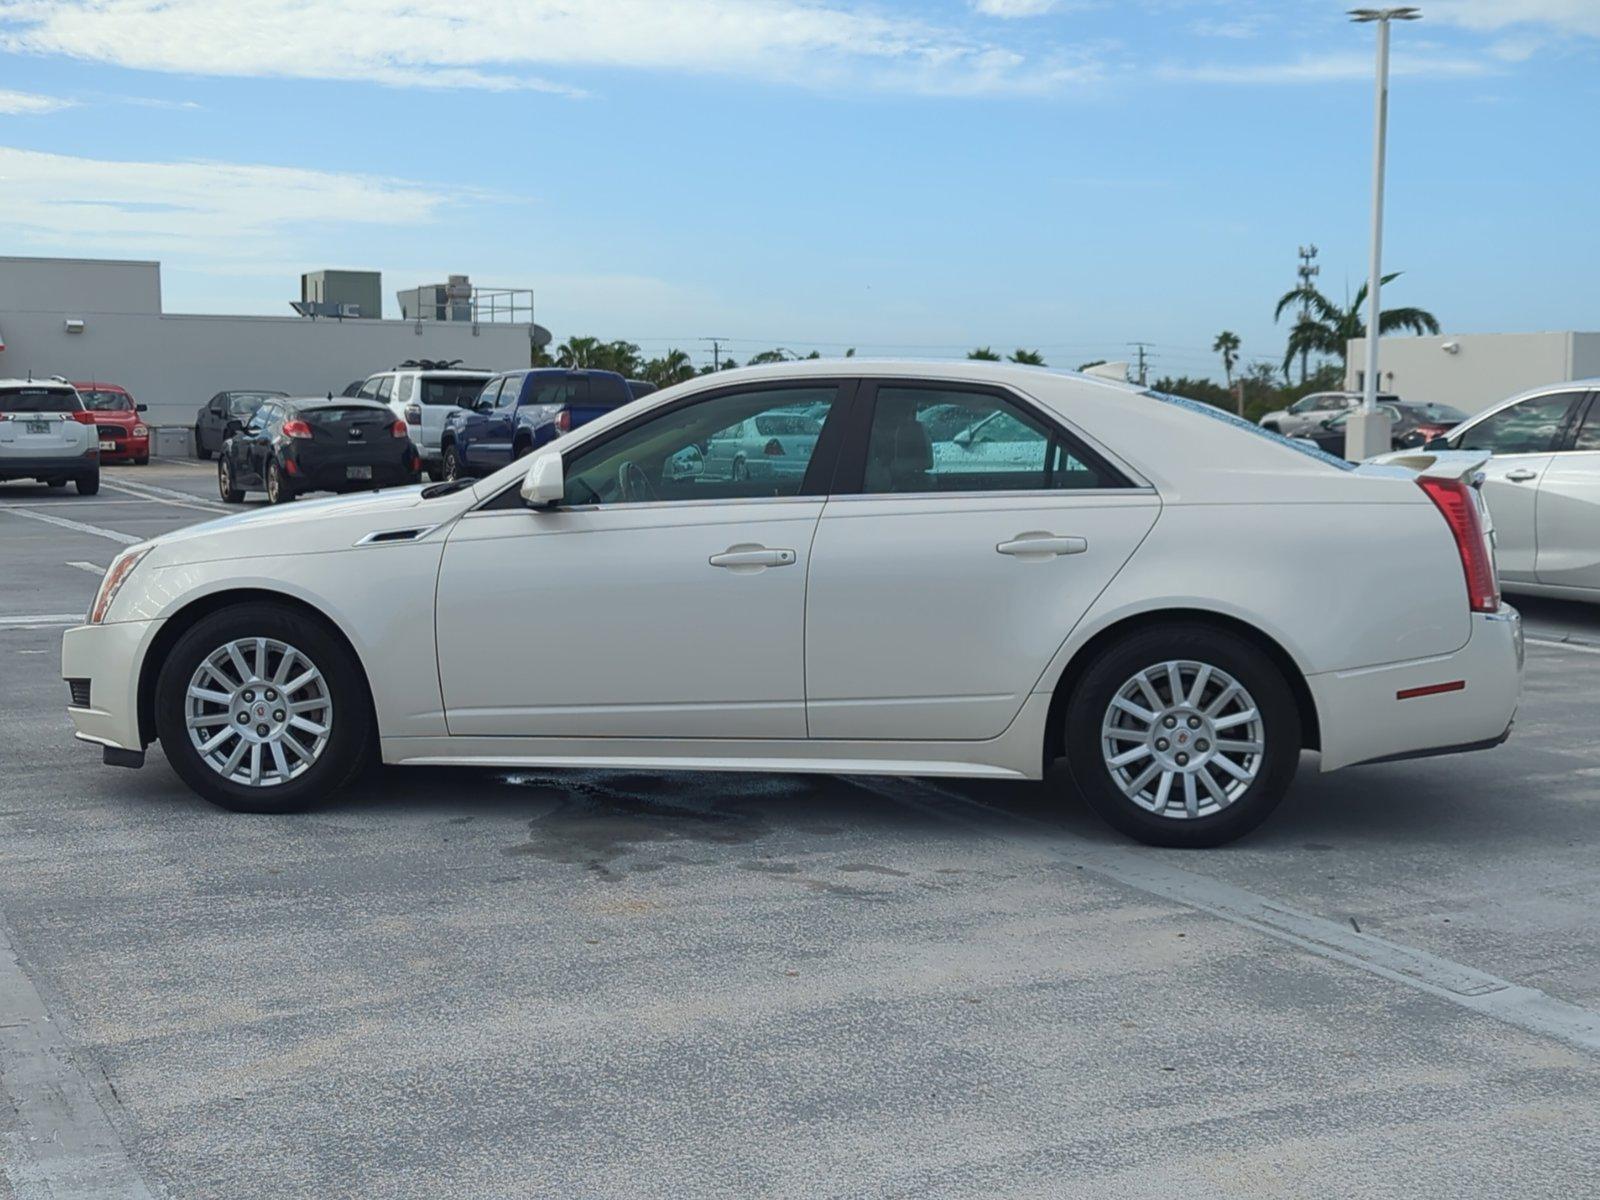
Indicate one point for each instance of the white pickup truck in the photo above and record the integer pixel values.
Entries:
(48, 435)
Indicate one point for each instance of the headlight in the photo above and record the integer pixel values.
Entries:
(141, 431)
(116, 575)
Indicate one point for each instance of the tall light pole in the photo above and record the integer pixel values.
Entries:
(1367, 432)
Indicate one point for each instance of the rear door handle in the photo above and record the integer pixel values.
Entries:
(752, 558)
(1521, 475)
(1042, 545)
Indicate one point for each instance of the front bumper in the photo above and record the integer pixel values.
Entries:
(126, 448)
(109, 657)
(1364, 717)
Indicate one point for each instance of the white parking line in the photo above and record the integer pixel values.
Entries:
(92, 568)
(163, 495)
(1526, 1007)
(41, 621)
(127, 539)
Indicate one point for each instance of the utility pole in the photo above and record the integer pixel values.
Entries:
(1141, 346)
(1307, 272)
(1367, 431)
(716, 351)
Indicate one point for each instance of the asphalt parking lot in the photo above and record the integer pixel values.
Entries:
(456, 983)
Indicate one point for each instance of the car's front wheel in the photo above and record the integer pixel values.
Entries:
(227, 487)
(261, 709)
(1183, 735)
(452, 463)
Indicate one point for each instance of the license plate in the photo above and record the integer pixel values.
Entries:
(358, 472)
(107, 444)
(36, 427)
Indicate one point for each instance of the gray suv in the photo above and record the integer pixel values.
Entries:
(422, 393)
(1306, 415)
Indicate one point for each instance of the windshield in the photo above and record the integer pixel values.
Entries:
(455, 393)
(1298, 445)
(243, 404)
(39, 400)
(100, 401)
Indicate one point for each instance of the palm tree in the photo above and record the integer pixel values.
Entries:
(1327, 329)
(983, 354)
(578, 352)
(1031, 358)
(672, 367)
(1227, 344)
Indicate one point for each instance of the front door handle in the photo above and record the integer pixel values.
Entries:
(1521, 475)
(746, 557)
(1042, 545)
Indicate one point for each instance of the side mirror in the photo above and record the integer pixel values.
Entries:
(545, 483)
(483, 406)
(964, 438)
(231, 428)
(141, 408)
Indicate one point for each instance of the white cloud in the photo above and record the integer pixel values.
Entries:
(506, 44)
(1560, 16)
(26, 103)
(1323, 68)
(1013, 8)
(220, 209)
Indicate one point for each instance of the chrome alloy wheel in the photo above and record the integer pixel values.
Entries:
(1183, 739)
(258, 711)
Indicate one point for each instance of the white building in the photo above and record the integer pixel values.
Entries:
(95, 319)
(1474, 370)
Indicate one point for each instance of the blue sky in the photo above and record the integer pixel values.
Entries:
(902, 178)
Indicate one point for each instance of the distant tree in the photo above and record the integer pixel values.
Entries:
(539, 356)
(1227, 344)
(1093, 362)
(850, 353)
(1031, 358)
(983, 354)
(1207, 391)
(776, 355)
(672, 367)
(577, 352)
(1327, 329)
(729, 364)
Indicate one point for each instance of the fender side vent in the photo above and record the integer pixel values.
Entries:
(387, 536)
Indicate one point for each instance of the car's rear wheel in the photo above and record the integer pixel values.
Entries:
(88, 485)
(262, 709)
(230, 491)
(452, 463)
(142, 462)
(1183, 735)
(278, 489)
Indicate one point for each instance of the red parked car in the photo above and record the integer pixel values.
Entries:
(124, 437)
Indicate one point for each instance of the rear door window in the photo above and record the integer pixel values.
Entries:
(402, 392)
(510, 389)
(385, 389)
(369, 389)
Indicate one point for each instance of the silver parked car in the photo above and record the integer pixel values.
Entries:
(1306, 415)
(771, 445)
(1542, 487)
(422, 394)
(48, 435)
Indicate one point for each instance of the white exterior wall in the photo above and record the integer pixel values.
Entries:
(1484, 369)
(175, 362)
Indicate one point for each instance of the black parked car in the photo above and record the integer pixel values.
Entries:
(1410, 425)
(211, 423)
(316, 445)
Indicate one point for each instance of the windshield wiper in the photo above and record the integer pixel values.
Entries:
(434, 490)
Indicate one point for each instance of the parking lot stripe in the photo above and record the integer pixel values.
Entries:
(127, 539)
(92, 568)
(1149, 872)
(166, 496)
(64, 1145)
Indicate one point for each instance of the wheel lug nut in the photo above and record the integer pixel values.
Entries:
(1170, 722)
(249, 695)
(244, 718)
(277, 715)
(1183, 760)
(1194, 722)
(261, 730)
(271, 695)
(1202, 745)
(1162, 743)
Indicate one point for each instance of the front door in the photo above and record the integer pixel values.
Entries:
(1568, 515)
(655, 601)
(1523, 438)
(979, 534)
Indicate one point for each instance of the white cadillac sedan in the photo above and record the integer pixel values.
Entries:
(1174, 601)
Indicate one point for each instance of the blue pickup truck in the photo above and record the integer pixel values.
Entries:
(519, 411)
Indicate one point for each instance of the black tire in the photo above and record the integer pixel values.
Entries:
(521, 449)
(741, 471)
(230, 493)
(452, 462)
(88, 485)
(1116, 666)
(278, 489)
(142, 462)
(350, 741)
(434, 474)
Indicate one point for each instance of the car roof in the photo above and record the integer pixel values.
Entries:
(99, 387)
(253, 392)
(334, 402)
(35, 383)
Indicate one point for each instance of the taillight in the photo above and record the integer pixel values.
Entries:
(564, 421)
(1458, 503)
(773, 447)
(398, 429)
(296, 429)
(83, 417)
(413, 414)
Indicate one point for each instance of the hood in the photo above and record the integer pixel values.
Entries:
(307, 526)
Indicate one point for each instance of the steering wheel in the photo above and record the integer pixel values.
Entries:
(634, 484)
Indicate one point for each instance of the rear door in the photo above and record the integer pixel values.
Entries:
(493, 449)
(940, 589)
(1568, 509)
(1523, 438)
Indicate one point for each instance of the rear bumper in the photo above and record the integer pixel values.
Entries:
(109, 657)
(68, 466)
(1365, 719)
(328, 471)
